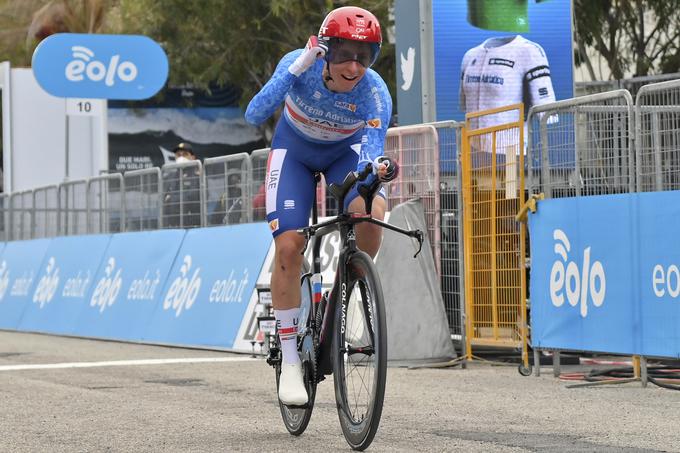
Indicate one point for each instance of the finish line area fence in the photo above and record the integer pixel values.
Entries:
(600, 144)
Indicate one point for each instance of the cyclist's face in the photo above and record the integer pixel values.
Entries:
(345, 76)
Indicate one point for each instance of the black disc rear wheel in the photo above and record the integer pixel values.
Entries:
(360, 352)
(296, 418)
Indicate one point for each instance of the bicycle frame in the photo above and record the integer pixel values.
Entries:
(344, 223)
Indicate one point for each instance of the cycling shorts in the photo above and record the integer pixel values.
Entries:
(290, 175)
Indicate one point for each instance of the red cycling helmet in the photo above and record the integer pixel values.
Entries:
(351, 23)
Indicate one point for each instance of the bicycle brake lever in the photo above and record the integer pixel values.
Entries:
(420, 238)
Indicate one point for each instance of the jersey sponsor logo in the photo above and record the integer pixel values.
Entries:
(288, 204)
(274, 225)
(543, 92)
(325, 126)
(502, 62)
(374, 123)
(492, 79)
(537, 72)
(378, 100)
(346, 106)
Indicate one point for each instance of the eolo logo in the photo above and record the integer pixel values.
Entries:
(579, 284)
(84, 65)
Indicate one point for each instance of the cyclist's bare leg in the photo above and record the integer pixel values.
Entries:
(369, 236)
(285, 286)
(285, 281)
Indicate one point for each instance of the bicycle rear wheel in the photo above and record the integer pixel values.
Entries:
(296, 418)
(360, 352)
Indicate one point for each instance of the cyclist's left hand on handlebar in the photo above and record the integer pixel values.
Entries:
(386, 168)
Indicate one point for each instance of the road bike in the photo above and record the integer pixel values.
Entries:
(343, 332)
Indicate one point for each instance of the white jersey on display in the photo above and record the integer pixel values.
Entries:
(504, 71)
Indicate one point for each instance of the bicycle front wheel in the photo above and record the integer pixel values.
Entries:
(360, 352)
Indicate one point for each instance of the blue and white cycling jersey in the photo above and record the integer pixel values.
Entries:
(323, 116)
(319, 130)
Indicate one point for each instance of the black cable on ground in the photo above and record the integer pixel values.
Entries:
(661, 376)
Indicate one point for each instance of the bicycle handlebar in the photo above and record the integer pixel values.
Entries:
(340, 191)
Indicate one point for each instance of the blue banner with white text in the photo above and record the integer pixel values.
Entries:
(605, 274)
(127, 288)
(20, 264)
(63, 283)
(208, 289)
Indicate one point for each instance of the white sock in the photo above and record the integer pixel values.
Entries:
(287, 325)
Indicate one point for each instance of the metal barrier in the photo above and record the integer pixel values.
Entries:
(21, 215)
(227, 189)
(633, 84)
(5, 222)
(73, 208)
(451, 221)
(258, 168)
(46, 211)
(183, 195)
(416, 148)
(143, 191)
(493, 191)
(657, 137)
(581, 146)
(106, 204)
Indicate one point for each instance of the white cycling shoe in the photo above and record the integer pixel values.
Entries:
(292, 391)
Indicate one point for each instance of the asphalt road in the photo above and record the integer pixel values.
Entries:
(165, 399)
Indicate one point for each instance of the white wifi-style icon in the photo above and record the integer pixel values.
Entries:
(84, 65)
(82, 52)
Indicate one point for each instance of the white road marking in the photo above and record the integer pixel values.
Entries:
(51, 366)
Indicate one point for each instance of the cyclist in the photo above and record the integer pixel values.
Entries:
(335, 117)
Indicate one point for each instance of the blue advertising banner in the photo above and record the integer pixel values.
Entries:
(210, 284)
(127, 289)
(100, 66)
(19, 266)
(63, 283)
(493, 53)
(605, 274)
(659, 290)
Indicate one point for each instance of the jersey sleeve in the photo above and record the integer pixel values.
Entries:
(269, 98)
(378, 117)
(537, 81)
(461, 88)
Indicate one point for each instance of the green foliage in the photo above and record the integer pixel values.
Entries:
(238, 41)
(633, 36)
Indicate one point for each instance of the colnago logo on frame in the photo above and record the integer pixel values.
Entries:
(184, 290)
(107, 289)
(47, 285)
(579, 284)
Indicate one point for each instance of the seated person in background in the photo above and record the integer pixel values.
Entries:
(182, 199)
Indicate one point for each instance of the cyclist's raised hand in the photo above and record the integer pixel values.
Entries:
(313, 50)
(387, 169)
